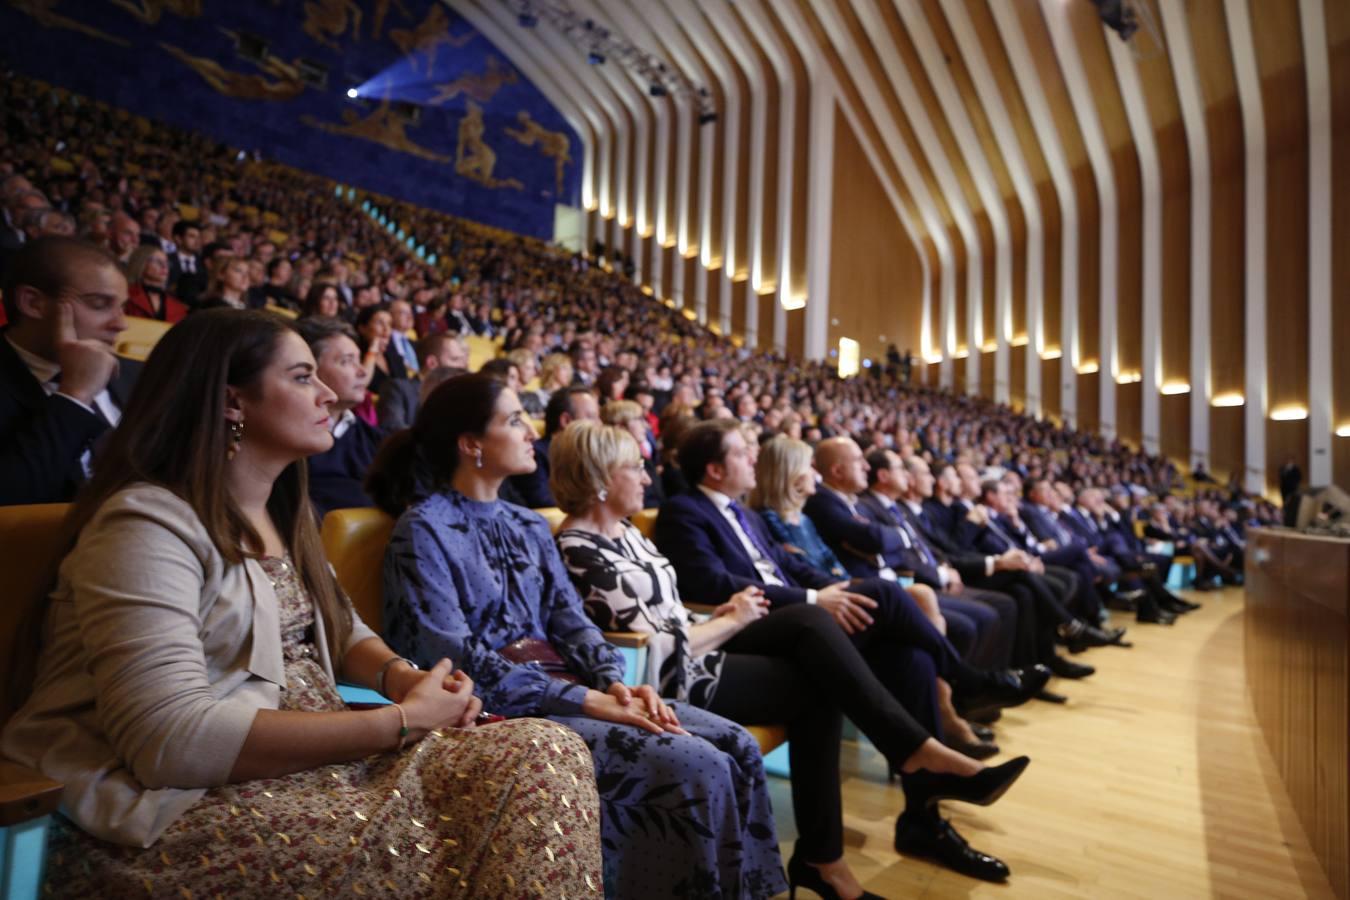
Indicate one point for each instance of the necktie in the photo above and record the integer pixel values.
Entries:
(744, 521)
(917, 540)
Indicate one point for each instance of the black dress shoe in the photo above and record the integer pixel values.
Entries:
(981, 732)
(802, 874)
(924, 788)
(1051, 697)
(1079, 635)
(936, 840)
(1155, 616)
(1067, 668)
(1125, 602)
(1009, 687)
(973, 749)
(1175, 604)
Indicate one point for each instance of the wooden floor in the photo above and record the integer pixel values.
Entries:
(1153, 782)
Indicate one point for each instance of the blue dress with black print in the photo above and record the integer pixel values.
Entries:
(681, 816)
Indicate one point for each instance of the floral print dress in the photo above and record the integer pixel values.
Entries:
(681, 815)
(503, 810)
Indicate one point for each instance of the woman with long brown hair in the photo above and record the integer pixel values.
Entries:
(184, 691)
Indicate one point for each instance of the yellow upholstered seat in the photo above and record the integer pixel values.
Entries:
(140, 337)
(645, 522)
(354, 541)
(553, 516)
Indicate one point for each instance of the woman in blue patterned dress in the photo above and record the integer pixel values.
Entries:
(684, 810)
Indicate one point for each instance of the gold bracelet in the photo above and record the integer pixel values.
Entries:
(403, 726)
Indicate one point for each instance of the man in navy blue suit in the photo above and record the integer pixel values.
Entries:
(1057, 545)
(999, 531)
(870, 549)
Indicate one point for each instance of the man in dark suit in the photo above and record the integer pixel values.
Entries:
(1058, 546)
(1114, 537)
(565, 407)
(61, 386)
(869, 549)
(187, 270)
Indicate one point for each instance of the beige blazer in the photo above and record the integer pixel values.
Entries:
(156, 656)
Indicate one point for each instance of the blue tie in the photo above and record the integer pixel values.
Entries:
(744, 520)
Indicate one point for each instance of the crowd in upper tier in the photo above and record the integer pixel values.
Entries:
(906, 557)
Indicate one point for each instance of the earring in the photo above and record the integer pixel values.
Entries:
(602, 496)
(478, 458)
(236, 438)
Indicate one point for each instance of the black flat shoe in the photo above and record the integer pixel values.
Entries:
(1051, 697)
(802, 874)
(937, 841)
(981, 732)
(1067, 668)
(924, 788)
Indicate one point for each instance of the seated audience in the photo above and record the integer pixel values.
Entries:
(322, 300)
(792, 665)
(61, 387)
(480, 581)
(276, 290)
(337, 475)
(981, 630)
(148, 295)
(184, 687)
(374, 325)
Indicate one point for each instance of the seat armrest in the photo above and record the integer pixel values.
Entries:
(25, 794)
(633, 639)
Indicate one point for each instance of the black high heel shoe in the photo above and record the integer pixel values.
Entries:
(924, 788)
(802, 874)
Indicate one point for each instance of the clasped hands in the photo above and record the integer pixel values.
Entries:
(441, 697)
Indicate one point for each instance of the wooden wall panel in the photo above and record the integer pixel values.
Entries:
(713, 279)
(739, 290)
(1284, 94)
(1129, 302)
(796, 332)
(876, 278)
(1089, 295)
(1338, 37)
(1017, 373)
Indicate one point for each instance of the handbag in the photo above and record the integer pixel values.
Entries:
(541, 653)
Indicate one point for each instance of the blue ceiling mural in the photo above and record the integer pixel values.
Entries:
(401, 97)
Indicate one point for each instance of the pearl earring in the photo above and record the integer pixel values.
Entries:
(603, 495)
(478, 458)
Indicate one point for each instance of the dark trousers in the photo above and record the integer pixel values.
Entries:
(995, 617)
(796, 666)
(898, 622)
(1039, 614)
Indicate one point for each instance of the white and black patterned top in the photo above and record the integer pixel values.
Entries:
(627, 585)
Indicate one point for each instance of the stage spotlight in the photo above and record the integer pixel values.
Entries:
(595, 59)
(527, 20)
(352, 94)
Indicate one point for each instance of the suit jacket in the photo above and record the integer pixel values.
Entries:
(908, 557)
(947, 526)
(710, 561)
(968, 563)
(855, 538)
(397, 406)
(158, 656)
(43, 437)
(532, 487)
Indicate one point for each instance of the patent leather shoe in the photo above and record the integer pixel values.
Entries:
(936, 840)
(1155, 615)
(1067, 668)
(802, 874)
(924, 788)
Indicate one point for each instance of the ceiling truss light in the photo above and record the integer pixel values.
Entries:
(1231, 398)
(1088, 368)
(1343, 430)
(1051, 353)
(1172, 388)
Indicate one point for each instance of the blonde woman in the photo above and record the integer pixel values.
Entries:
(228, 284)
(555, 373)
(527, 365)
(792, 665)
